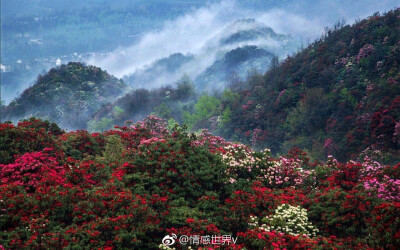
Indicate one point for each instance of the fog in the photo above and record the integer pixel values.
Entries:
(190, 30)
(186, 34)
(195, 31)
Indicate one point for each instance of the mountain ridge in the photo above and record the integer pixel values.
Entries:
(68, 95)
(338, 96)
(236, 37)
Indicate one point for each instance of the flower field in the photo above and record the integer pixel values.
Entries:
(129, 187)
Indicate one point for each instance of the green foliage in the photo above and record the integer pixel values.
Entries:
(229, 96)
(184, 88)
(117, 112)
(180, 211)
(113, 149)
(205, 107)
(226, 117)
(80, 144)
(172, 124)
(203, 171)
(100, 126)
(309, 114)
(347, 97)
(163, 111)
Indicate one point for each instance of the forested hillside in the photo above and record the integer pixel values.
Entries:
(243, 45)
(68, 95)
(339, 96)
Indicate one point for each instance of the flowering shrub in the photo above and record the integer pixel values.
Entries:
(259, 239)
(370, 168)
(132, 186)
(195, 227)
(257, 136)
(346, 176)
(80, 143)
(396, 134)
(329, 146)
(287, 219)
(387, 189)
(28, 136)
(365, 51)
(31, 170)
(285, 173)
(385, 225)
(157, 163)
(214, 143)
(239, 159)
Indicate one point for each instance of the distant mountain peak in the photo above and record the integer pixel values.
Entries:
(246, 20)
(246, 29)
(241, 45)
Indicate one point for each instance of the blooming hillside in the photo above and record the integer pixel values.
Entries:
(339, 96)
(143, 184)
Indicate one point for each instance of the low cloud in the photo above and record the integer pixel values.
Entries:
(285, 22)
(193, 32)
(190, 32)
(186, 34)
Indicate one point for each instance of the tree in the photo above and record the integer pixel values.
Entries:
(117, 112)
(113, 149)
(184, 88)
(100, 126)
(163, 111)
(226, 116)
(205, 107)
(274, 62)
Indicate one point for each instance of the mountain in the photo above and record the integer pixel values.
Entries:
(74, 94)
(249, 31)
(241, 46)
(340, 96)
(150, 76)
(168, 101)
(35, 36)
(235, 62)
(68, 95)
(246, 30)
